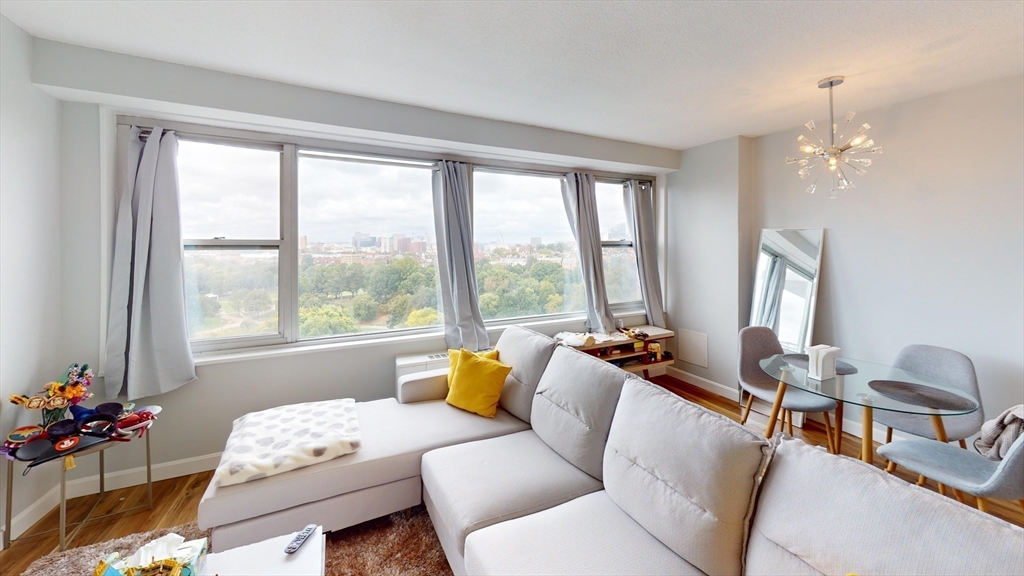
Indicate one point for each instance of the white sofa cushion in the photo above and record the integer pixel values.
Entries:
(818, 513)
(684, 473)
(574, 404)
(395, 436)
(481, 483)
(527, 352)
(588, 535)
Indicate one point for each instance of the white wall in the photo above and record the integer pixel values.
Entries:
(30, 242)
(702, 275)
(130, 82)
(929, 247)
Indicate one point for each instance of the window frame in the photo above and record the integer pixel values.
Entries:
(291, 146)
(287, 315)
(510, 320)
(633, 305)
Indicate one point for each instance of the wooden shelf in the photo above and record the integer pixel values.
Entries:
(610, 357)
(654, 334)
(641, 367)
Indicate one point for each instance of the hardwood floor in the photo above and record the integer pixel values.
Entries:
(176, 501)
(814, 433)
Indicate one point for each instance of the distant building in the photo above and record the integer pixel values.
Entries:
(418, 247)
(403, 244)
(303, 242)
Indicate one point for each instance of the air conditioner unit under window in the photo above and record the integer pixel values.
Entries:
(420, 363)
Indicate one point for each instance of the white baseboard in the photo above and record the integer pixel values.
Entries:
(851, 427)
(703, 383)
(114, 480)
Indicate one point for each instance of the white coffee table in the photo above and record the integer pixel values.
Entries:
(267, 558)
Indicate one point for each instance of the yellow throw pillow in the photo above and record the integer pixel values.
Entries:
(476, 385)
(453, 360)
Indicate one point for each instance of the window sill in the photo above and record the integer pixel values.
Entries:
(308, 347)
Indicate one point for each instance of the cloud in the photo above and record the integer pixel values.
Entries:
(234, 192)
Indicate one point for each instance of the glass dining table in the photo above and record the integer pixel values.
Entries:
(872, 387)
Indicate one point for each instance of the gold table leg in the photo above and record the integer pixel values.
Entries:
(839, 427)
(63, 505)
(10, 492)
(776, 406)
(149, 471)
(867, 443)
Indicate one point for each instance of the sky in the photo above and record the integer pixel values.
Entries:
(233, 192)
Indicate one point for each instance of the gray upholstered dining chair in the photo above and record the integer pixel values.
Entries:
(943, 366)
(963, 470)
(757, 343)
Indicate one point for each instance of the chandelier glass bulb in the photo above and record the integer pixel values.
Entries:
(820, 157)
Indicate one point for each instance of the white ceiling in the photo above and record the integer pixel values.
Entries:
(669, 74)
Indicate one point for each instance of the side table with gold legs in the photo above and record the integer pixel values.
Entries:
(96, 448)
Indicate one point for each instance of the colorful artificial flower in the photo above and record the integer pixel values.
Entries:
(57, 402)
(36, 403)
(59, 395)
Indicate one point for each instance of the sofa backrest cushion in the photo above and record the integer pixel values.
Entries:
(527, 352)
(819, 513)
(687, 475)
(573, 407)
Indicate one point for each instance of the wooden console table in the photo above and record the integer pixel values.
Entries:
(623, 353)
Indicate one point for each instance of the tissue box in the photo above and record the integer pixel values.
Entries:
(821, 362)
(187, 560)
(192, 555)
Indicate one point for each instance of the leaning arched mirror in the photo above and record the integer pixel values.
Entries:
(786, 284)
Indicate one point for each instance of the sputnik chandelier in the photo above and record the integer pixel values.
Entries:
(821, 158)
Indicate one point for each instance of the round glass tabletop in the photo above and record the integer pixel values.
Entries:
(875, 385)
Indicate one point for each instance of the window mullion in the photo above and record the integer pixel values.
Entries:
(288, 301)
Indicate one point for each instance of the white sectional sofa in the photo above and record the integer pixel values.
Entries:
(590, 470)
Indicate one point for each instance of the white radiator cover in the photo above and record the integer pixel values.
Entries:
(420, 363)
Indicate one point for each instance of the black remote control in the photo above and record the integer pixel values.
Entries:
(299, 539)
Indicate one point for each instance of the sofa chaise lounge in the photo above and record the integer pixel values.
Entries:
(587, 469)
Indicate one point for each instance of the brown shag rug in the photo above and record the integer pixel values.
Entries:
(403, 543)
(82, 561)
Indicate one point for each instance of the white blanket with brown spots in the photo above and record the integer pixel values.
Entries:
(280, 439)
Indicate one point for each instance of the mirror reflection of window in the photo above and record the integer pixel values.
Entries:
(793, 310)
(785, 285)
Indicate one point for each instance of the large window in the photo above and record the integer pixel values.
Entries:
(621, 279)
(367, 253)
(230, 220)
(527, 262)
(288, 240)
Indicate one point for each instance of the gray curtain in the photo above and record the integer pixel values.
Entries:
(771, 294)
(580, 199)
(453, 224)
(147, 338)
(639, 201)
